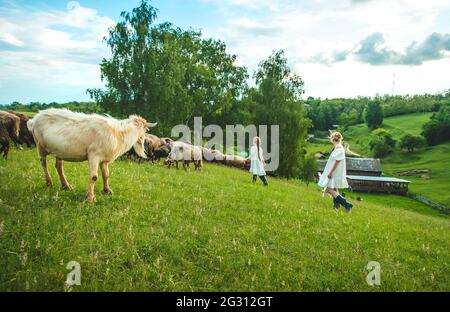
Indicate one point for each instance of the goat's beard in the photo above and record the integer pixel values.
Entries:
(139, 149)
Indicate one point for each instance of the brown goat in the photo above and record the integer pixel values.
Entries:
(25, 135)
(9, 129)
(157, 147)
(4, 140)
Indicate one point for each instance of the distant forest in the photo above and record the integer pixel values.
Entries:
(325, 114)
(84, 107)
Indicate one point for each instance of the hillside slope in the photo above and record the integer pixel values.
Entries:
(167, 229)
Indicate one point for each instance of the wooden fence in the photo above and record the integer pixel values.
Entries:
(429, 202)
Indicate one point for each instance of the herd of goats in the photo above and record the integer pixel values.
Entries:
(99, 139)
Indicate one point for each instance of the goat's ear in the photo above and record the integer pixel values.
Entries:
(151, 125)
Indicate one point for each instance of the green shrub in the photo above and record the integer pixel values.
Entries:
(410, 142)
(381, 143)
(437, 130)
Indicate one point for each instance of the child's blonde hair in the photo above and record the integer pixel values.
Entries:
(336, 136)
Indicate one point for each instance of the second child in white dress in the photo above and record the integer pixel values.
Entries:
(257, 161)
(334, 176)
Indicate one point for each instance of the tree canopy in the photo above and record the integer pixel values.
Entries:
(374, 115)
(167, 74)
(411, 142)
(437, 130)
(381, 142)
(276, 101)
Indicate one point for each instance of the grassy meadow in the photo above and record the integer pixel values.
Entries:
(175, 230)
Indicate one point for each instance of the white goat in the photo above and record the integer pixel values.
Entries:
(78, 137)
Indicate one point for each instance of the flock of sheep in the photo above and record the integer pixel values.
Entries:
(100, 140)
(175, 151)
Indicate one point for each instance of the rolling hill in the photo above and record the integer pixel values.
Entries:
(171, 230)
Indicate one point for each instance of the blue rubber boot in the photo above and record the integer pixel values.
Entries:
(336, 204)
(341, 200)
(263, 179)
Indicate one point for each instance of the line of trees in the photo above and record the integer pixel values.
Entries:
(85, 107)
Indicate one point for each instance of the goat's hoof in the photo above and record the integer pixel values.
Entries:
(107, 191)
(49, 183)
(67, 187)
(90, 198)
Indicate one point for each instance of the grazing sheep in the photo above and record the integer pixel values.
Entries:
(154, 147)
(78, 137)
(187, 153)
(4, 141)
(148, 145)
(25, 135)
(160, 147)
(236, 161)
(9, 129)
(208, 154)
(162, 151)
(152, 142)
(218, 156)
(148, 149)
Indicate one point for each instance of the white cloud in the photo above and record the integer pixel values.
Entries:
(57, 48)
(349, 79)
(321, 29)
(10, 39)
(230, 5)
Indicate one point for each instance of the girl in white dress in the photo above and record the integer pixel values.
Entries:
(257, 161)
(334, 177)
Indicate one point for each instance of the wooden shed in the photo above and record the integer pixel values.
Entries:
(359, 166)
(378, 184)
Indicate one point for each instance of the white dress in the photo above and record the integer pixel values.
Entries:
(256, 165)
(339, 178)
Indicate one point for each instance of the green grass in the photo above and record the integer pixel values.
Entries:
(319, 146)
(171, 230)
(406, 124)
(398, 126)
(435, 185)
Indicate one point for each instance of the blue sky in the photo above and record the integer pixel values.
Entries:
(50, 50)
